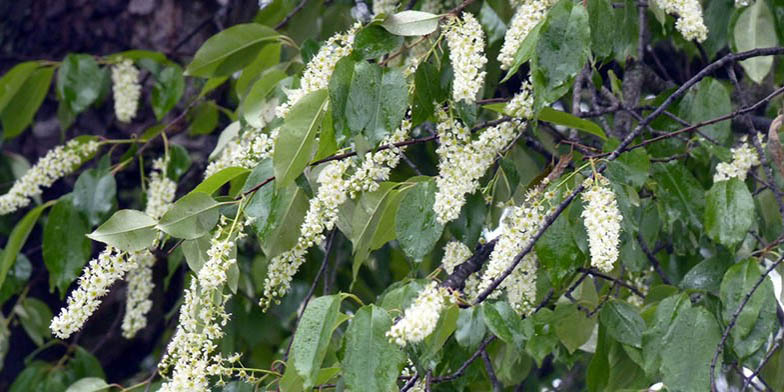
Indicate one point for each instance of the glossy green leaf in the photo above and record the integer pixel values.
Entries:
(214, 182)
(377, 101)
(503, 322)
(525, 52)
(562, 118)
(373, 41)
(66, 248)
(729, 212)
(557, 250)
(711, 100)
(680, 193)
(195, 252)
(427, 92)
(572, 326)
(88, 384)
(268, 57)
(755, 28)
(17, 239)
(470, 328)
(411, 23)
(94, 195)
(737, 282)
(416, 226)
(179, 162)
(78, 81)
(230, 50)
(35, 317)
(313, 335)
(167, 90)
(295, 143)
(365, 220)
(14, 79)
(687, 349)
(191, 217)
(256, 102)
(602, 31)
(371, 361)
(127, 230)
(204, 118)
(623, 322)
(21, 109)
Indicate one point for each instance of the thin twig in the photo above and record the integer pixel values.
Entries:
(652, 258)
(291, 14)
(599, 274)
(459, 372)
(497, 387)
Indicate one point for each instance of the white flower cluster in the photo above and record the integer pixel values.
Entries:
(744, 157)
(320, 68)
(125, 81)
(160, 194)
(689, 23)
(410, 371)
(466, 43)
(522, 104)
(455, 252)
(321, 216)
(99, 274)
(322, 212)
(602, 222)
(384, 7)
(246, 151)
(421, 317)
(462, 161)
(518, 227)
(58, 162)
(527, 16)
(140, 286)
(221, 254)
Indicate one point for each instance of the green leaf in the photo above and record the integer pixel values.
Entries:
(20, 110)
(230, 50)
(711, 100)
(339, 85)
(268, 57)
(295, 144)
(14, 79)
(572, 326)
(470, 328)
(562, 118)
(737, 283)
(602, 31)
(191, 217)
(17, 278)
(65, 247)
(17, 239)
(127, 230)
(427, 92)
(415, 225)
(755, 28)
(78, 81)
(35, 317)
(313, 335)
(729, 212)
(94, 195)
(179, 162)
(167, 90)
(680, 194)
(365, 221)
(219, 179)
(503, 322)
(377, 101)
(687, 350)
(373, 41)
(525, 52)
(707, 274)
(256, 101)
(411, 23)
(623, 322)
(561, 50)
(204, 118)
(632, 167)
(557, 250)
(88, 384)
(371, 361)
(195, 252)
(281, 213)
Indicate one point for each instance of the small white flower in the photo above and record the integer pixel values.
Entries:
(527, 16)
(247, 150)
(602, 222)
(99, 274)
(744, 157)
(466, 43)
(125, 81)
(689, 23)
(57, 163)
(421, 317)
(455, 252)
(384, 7)
(522, 104)
(140, 286)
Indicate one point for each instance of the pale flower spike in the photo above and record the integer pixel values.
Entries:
(57, 163)
(527, 16)
(99, 274)
(420, 319)
(466, 43)
(744, 157)
(689, 23)
(127, 90)
(602, 222)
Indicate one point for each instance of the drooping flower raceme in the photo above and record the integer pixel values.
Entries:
(689, 23)
(160, 194)
(462, 162)
(466, 43)
(247, 150)
(527, 16)
(98, 275)
(320, 68)
(522, 104)
(421, 317)
(57, 163)
(744, 157)
(602, 222)
(518, 227)
(384, 6)
(127, 90)
(220, 256)
(455, 252)
(323, 209)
